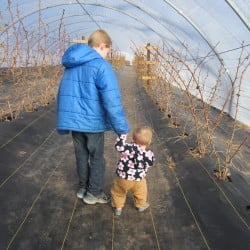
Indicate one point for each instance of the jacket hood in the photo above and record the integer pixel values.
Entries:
(78, 54)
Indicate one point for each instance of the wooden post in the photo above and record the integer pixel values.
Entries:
(1, 44)
(148, 65)
(147, 70)
(83, 40)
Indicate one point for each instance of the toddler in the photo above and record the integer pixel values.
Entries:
(135, 160)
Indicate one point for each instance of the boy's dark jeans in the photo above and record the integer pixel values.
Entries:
(89, 152)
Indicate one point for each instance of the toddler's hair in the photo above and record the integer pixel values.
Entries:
(143, 135)
(98, 37)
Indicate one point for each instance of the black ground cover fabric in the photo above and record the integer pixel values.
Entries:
(189, 207)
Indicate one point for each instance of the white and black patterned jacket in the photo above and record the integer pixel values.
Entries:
(134, 161)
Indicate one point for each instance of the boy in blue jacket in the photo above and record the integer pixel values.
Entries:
(88, 104)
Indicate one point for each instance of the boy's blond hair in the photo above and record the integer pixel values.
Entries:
(98, 37)
(143, 135)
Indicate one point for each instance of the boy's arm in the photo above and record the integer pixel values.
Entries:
(111, 98)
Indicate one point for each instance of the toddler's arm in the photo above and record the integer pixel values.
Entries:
(121, 142)
(149, 158)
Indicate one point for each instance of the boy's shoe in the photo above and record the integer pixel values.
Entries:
(118, 212)
(141, 209)
(81, 193)
(92, 199)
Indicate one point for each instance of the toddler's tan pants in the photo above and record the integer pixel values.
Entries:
(120, 188)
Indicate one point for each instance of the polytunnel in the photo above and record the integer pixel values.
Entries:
(212, 37)
(183, 68)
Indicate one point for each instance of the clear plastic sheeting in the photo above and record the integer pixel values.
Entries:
(211, 34)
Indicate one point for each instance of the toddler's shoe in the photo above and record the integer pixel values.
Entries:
(141, 209)
(81, 193)
(92, 199)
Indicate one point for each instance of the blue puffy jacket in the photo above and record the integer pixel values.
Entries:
(88, 98)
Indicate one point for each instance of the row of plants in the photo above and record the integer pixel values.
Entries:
(30, 58)
(182, 98)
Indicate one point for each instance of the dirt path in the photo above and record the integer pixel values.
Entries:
(190, 209)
